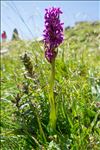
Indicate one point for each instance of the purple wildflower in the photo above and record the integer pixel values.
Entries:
(53, 33)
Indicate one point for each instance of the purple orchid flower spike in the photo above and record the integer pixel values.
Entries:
(53, 33)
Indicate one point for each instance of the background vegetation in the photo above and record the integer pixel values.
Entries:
(24, 93)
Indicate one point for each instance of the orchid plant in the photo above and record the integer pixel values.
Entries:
(53, 37)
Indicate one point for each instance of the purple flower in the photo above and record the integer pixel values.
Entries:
(53, 33)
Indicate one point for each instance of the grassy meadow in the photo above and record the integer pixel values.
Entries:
(25, 75)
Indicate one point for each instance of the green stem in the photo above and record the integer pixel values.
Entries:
(52, 117)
